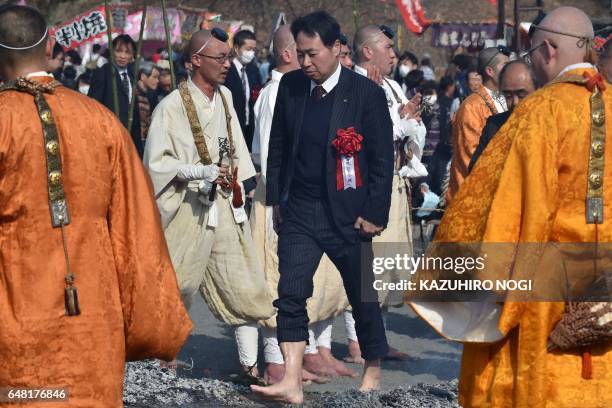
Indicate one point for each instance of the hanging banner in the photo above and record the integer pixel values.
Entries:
(89, 26)
(413, 15)
(466, 35)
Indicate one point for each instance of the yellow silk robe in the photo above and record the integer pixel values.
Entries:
(128, 295)
(530, 186)
(467, 128)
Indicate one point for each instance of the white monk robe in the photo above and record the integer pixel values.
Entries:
(211, 246)
(399, 228)
(329, 297)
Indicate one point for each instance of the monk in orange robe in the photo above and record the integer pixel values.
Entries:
(472, 116)
(530, 187)
(68, 169)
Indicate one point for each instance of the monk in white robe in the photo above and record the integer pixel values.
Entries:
(374, 53)
(208, 234)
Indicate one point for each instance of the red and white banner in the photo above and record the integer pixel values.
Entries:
(89, 26)
(414, 15)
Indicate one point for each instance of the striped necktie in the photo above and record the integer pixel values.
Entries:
(126, 84)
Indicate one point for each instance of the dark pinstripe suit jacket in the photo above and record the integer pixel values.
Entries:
(358, 102)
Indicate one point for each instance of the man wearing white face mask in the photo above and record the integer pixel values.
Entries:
(244, 81)
(407, 62)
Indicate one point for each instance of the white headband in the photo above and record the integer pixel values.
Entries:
(204, 46)
(28, 47)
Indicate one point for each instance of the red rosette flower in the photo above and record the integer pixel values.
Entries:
(347, 144)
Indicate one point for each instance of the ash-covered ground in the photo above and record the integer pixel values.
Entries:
(148, 385)
(426, 380)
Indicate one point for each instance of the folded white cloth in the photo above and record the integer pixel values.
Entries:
(190, 172)
(413, 169)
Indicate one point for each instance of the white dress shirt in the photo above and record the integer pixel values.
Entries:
(246, 90)
(264, 112)
(122, 71)
(331, 82)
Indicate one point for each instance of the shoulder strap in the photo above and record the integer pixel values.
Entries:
(395, 95)
(486, 101)
(228, 125)
(194, 123)
(58, 206)
(595, 180)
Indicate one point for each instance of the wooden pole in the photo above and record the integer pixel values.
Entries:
(517, 23)
(137, 68)
(168, 43)
(399, 38)
(501, 19)
(109, 32)
(355, 15)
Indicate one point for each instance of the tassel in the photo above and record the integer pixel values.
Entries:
(71, 301)
(587, 364)
(237, 200)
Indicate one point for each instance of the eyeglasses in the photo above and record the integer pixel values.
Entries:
(221, 59)
(501, 49)
(526, 55)
(387, 31)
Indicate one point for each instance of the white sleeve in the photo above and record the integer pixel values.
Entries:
(256, 147)
(415, 130)
(189, 172)
(263, 124)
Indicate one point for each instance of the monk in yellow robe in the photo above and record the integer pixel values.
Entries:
(530, 187)
(472, 116)
(71, 180)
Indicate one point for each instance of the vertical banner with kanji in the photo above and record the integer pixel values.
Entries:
(89, 26)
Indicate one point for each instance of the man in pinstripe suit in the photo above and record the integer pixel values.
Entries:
(324, 203)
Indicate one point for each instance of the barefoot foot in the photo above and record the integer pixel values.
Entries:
(354, 353)
(371, 376)
(274, 373)
(286, 392)
(316, 365)
(337, 365)
(309, 377)
(395, 355)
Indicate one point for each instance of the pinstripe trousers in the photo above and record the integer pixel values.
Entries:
(307, 231)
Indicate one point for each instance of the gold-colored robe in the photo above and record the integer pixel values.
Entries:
(467, 128)
(127, 288)
(530, 186)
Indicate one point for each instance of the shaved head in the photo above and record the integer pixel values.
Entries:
(565, 37)
(283, 38)
(198, 39)
(367, 34)
(570, 21)
(21, 27)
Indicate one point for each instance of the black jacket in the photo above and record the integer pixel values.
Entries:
(494, 123)
(233, 82)
(101, 89)
(358, 102)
